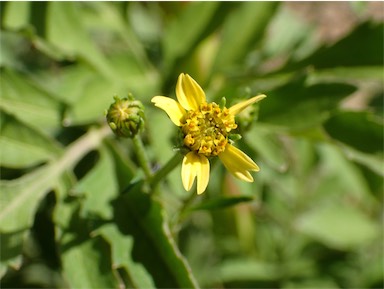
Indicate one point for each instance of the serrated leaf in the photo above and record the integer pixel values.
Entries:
(139, 216)
(20, 197)
(121, 254)
(86, 257)
(86, 265)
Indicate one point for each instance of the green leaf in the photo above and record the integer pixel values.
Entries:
(99, 187)
(362, 47)
(248, 270)
(326, 283)
(374, 163)
(96, 98)
(241, 32)
(88, 94)
(29, 103)
(141, 217)
(86, 265)
(121, 250)
(347, 74)
(299, 106)
(20, 197)
(10, 50)
(268, 146)
(124, 168)
(185, 27)
(289, 35)
(341, 172)
(22, 146)
(65, 30)
(16, 15)
(11, 249)
(339, 227)
(360, 130)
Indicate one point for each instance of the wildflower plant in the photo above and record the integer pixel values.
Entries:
(206, 129)
(116, 201)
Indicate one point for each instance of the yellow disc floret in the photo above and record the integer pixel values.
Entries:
(206, 129)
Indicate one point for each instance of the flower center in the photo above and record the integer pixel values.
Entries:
(206, 129)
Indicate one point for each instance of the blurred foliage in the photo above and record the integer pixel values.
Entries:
(73, 210)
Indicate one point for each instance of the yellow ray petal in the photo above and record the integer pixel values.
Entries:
(237, 108)
(189, 93)
(238, 163)
(195, 165)
(188, 171)
(202, 175)
(174, 110)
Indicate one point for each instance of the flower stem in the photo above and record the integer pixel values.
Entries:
(142, 156)
(166, 169)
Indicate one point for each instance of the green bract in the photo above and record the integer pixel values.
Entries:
(125, 117)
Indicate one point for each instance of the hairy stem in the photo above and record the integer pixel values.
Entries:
(166, 169)
(142, 156)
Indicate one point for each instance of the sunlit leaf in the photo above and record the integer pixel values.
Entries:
(20, 197)
(99, 187)
(246, 270)
(16, 15)
(29, 103)
(66, 31)
(86, 265)
(23, 146)
(139, 216)
(339, 227)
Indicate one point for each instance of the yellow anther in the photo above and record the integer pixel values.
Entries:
(206, 129)
(189, 140)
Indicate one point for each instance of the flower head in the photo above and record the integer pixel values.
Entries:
(205, 128)
(125, 116)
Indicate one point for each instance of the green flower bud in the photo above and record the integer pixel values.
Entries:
(125, 116)
(233, 137)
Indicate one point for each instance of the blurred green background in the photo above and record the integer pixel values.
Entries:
(72, 211)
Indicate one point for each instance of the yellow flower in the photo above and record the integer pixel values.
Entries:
(205, 128)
